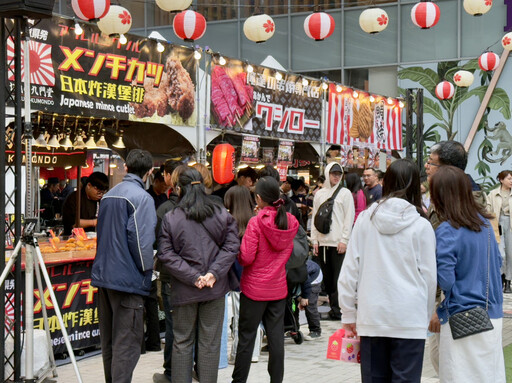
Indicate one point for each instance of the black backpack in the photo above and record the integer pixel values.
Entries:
(323, 216)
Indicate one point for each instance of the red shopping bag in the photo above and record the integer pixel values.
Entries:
(334, 346)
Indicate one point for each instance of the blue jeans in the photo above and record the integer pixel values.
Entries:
(169, 336)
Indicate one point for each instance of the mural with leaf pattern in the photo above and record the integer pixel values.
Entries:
(496, 147)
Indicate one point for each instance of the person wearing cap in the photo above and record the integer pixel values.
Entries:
(331, 247)
(91, 194)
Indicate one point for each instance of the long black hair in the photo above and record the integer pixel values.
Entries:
(354, 184)
(268, 190)
(193, 199)
(402, 180)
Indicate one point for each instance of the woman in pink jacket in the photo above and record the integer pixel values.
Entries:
(356, 187)
(266, 247)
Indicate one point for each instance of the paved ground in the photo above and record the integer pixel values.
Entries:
(303, 363)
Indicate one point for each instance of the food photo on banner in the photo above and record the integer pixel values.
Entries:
(250, 149)
(268, 156)
(285, 153)
(265, 102)
(95, 75)
(363, 120)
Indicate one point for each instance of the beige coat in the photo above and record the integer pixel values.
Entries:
(494, 204)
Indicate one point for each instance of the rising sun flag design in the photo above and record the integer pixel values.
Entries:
(41, 66)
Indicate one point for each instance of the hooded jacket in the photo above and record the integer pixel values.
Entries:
(263, 254)
(343, 213)
(390, 271)
(126, 233)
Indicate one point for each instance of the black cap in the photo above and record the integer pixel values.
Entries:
(53, 180)
(336, 168)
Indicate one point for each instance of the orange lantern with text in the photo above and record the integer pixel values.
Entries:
(223, 163)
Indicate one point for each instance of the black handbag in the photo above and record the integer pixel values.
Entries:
(475, 320)
(323, 216)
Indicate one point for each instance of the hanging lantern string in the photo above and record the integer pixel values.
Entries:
(490, 46)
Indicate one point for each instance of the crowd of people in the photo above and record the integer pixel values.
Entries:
(396, 261)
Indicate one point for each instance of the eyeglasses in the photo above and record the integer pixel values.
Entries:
(98, 190)
(429, 163)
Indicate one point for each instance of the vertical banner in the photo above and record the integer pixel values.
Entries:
(359, 121)
(268, 156)
(250, 149)
(283, 171)
(285, 153)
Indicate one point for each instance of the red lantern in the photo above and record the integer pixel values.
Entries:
(489, 61)
(425, 14)
(189, 25)
(223, 163)
(90, 9)
(445, 90)
(319, 25)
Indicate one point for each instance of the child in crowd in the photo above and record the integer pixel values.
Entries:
(308, 300)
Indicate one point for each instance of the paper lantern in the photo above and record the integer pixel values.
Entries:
(506, 41)
(259, 28)
(189, 25)
(319, 26)
(477, 7)
(489, 61)
(223, 163)
(445, 90)
(117, 21)
(373, 20)
(173, 5)
(89, 10)
(463, 78)
(425, 14)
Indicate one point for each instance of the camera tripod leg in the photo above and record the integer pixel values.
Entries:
(10, 264)
(53, 366)
(57, 311)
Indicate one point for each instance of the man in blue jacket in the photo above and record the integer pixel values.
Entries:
(123, 266)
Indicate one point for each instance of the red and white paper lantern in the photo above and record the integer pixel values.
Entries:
(319, 26)
(489, 61)
(425, 14)
(445, 90)
(89, 10)
(189, 25)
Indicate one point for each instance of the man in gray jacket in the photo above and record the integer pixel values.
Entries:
(123, 266)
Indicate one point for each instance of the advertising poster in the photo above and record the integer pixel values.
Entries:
(268, 156)
(283, 172)
(262, 104)
(250, 149)
(285, 152)
(358, 121)
(95, 75)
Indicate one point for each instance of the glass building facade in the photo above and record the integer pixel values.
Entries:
(349, 56)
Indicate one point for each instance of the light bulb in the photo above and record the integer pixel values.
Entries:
(250, 68)
(400, 104)
(122, 39)
(197, 55)
(355, 94)
(78, 29)
(160, 47)
(390, 101)
(279, 76)
(305, 82)
(325, 86)
(372, 99)
(222, 60)
(339, 88)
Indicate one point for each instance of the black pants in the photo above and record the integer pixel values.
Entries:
(391, 360)
(330, 263)
(152, 321)
(312, 314)
(271, 313)
(121, 333)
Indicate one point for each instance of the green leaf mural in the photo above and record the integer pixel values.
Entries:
(444, 111)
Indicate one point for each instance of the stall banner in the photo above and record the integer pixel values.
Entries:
(250, 149)
(357, 121)
(77, 301)
(268, 156)
(95, 75)
(258, 103)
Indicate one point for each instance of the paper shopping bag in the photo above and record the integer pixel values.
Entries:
(351, 350)
(334, 345)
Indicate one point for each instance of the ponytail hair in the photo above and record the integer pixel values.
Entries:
(268, 190)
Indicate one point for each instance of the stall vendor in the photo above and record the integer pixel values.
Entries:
(49, 199)
(91, 194)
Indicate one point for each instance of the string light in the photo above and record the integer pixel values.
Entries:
(390, 101)
(325, 86)
(222, 60)
(78, 29)
(250, 68)
(305, 82)
(355, 94)
(339, 88)
(197, 55)
(160, 47)
(372, 99)
(279, 76)
(122, 39)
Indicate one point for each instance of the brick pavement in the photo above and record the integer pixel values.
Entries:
(303, 363)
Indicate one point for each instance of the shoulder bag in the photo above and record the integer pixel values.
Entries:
(475, 320)
(323, 216)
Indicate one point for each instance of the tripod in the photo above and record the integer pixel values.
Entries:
(34, 261)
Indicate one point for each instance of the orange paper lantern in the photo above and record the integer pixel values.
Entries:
(223, 163)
